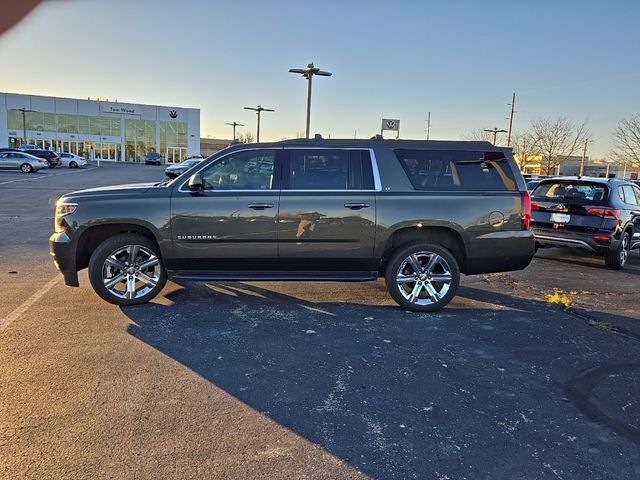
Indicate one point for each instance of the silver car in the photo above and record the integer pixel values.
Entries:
(21, 161)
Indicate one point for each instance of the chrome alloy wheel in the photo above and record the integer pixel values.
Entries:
(423, 278)
(131, 271)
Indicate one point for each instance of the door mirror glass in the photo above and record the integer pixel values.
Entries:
(196, 183)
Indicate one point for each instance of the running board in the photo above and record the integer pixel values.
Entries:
(200, 276)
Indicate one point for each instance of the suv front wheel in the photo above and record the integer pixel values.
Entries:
(127, 270)
(422, 277)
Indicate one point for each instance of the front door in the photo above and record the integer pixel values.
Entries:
(231, 225)
(327, 210)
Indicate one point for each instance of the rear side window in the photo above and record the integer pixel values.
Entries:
(629, 195)
(330, 170)
(583, 192)
(457, 170)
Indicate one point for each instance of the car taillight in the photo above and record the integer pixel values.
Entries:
(534, 206)
(605, 212)
(526, 210)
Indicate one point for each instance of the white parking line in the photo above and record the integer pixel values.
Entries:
(46, 175)
(9, 319)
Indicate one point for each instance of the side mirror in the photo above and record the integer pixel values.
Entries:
(196, 183)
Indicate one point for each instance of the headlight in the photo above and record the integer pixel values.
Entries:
(62, 210)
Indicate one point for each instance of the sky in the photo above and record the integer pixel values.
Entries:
(460, 60)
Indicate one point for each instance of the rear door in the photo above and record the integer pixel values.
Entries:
(632, 201)
(576, 205)
(327, 210)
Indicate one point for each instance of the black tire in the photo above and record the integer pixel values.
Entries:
(73, 164)
(617, 260)
(26, 168)
(146, 282)
(399, 269)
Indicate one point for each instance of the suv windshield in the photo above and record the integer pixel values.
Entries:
(583, 192)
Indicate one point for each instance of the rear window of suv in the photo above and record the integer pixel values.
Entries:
(457, 170)
(580, 191)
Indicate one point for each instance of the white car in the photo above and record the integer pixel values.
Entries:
(72, 160)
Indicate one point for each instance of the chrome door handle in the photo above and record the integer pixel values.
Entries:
(356, 206)
(260, 206)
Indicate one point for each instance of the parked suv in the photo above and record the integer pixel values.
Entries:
(418, 213)
(597, 215)
(51, 157)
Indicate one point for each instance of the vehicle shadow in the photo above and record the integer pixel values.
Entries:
(392, 393)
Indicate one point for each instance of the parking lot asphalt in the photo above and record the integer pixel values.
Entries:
(531, 374)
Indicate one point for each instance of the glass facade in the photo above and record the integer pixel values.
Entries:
(59, 122)
(140, 138)
(173, 141)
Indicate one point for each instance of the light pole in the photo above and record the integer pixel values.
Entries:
(308, 73)
(24, 122)
(259, 109)
(234, 125)
(495, 132)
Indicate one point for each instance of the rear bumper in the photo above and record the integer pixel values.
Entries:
(546, 237)
(64, 257)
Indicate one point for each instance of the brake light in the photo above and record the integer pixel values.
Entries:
(605, 212)
(602, 238)
(534, 206)
(526, 210)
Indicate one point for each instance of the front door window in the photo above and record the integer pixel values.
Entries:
(250, 170)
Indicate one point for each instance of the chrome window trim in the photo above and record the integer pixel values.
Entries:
(377, 183)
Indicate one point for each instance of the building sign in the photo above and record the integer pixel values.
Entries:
(390, 124)
(120, 109)
(173, 114)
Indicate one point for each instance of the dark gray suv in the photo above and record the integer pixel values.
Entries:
(418, 213)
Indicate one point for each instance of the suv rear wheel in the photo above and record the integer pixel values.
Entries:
(616, 260)
(422, 277)
(127, 270)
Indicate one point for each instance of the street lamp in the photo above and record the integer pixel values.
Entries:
(308, 73)
(259, 109)
(234, 125)
(495, 132)
(24, 122)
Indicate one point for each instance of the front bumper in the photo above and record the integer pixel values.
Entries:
(62, 249)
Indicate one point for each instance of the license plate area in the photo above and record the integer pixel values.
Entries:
(560, 218)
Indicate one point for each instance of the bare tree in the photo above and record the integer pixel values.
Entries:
(246, 137)
(625, 142)
(556, 140)
(479, 135)
(524, 147)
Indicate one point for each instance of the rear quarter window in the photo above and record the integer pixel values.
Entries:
(457, 170)
(583, 192)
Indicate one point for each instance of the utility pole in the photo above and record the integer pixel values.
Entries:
(428, 124)
(308, 73)
(586, 141)
(234, 125)
(495, 132)
(513, 104)
(259, 109)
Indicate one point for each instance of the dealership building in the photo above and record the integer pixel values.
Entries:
(96, 129)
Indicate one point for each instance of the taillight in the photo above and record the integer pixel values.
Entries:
(526, 210)
(605, 212)
(534, 206)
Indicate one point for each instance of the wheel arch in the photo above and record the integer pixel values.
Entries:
(94, 235)
(448, 237)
